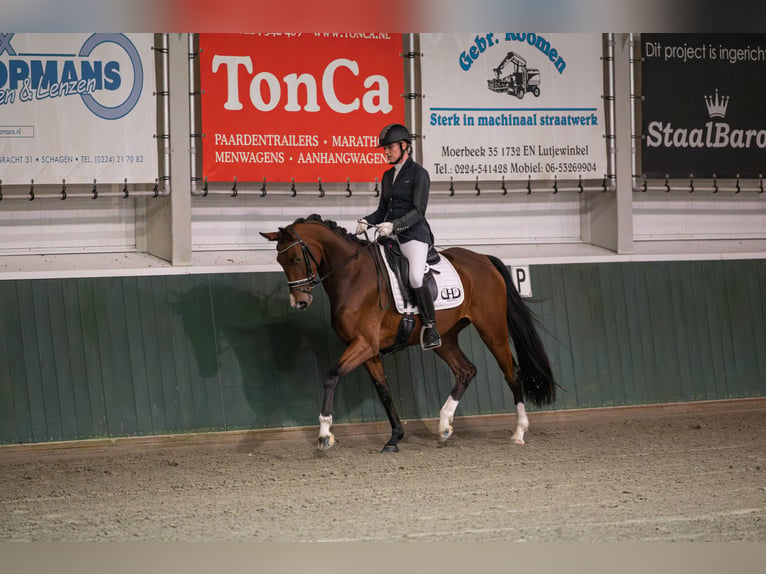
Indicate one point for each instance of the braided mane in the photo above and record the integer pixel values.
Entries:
(332, 225)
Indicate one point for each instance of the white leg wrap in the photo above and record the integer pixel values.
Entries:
(446, 414)
(324, 426)
(522, 424)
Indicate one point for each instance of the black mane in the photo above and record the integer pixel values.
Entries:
(332, 225)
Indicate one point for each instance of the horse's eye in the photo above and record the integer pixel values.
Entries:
(297, 259)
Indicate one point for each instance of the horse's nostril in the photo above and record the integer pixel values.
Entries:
(302, 305)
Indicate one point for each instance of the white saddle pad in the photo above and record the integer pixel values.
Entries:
(448, 283)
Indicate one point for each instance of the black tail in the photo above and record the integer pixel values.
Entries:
(535, 371)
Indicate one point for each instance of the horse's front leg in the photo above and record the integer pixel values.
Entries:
(326, 438)
(355, 354)
(378, 374)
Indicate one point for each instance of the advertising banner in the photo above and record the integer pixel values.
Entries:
(77, 107)
(513, 106)
(702, 110)
(300, 107)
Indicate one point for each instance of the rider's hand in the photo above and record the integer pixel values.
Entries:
(361, 226)
(385, 228)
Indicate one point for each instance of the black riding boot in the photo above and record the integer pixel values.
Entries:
(429, 336)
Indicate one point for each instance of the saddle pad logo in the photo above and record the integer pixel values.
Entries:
(449, 293)
(448, 283)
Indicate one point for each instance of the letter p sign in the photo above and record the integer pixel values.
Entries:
(521, 279)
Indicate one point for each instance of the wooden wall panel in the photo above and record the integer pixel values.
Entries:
(122, 356)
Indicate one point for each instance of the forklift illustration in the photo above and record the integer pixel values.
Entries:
(519, 81)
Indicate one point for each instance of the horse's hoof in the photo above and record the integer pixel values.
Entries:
(517, 440)
(326, 442)
(390, 448)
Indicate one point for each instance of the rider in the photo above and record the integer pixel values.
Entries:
(401, 212)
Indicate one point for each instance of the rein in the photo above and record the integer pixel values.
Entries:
(311, 278)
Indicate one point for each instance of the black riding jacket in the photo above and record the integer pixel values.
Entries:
(403, 202)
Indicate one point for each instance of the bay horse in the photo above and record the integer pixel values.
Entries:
(313, 251)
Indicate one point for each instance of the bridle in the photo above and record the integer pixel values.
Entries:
(312, 279)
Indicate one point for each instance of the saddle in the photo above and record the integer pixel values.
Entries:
(446, 291)
(400, 268)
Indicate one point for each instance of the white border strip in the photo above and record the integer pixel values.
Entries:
(71, 266)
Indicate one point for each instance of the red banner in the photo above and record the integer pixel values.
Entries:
(299, 107)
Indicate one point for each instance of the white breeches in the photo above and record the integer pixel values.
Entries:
(416, 253)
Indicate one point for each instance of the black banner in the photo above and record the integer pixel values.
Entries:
(704, 105)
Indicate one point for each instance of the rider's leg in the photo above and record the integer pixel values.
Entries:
(416, 253)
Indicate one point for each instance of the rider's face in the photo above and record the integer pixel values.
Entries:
(393, 152)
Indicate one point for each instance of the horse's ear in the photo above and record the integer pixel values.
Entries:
(271, 236)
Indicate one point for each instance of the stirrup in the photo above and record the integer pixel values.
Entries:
(434, 344)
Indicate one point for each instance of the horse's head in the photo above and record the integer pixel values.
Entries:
(299, 262)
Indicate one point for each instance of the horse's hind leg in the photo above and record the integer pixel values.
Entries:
(496, 340)
(522, 422)
(505, 360)
(375, 368)
(464, 372)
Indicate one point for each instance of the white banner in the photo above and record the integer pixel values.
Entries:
(513, 106)
(77, 108)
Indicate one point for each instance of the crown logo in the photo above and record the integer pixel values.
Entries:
(716, 106)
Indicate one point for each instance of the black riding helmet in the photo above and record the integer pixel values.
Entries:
(394, 133)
